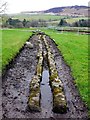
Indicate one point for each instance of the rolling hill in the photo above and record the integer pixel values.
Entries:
(68, 10)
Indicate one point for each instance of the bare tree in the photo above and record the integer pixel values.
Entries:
(3, 6)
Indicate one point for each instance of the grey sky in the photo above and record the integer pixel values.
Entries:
(15, 6)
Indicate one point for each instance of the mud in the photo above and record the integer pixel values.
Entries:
(16, 81)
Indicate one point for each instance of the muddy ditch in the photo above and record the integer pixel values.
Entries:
(16, 85)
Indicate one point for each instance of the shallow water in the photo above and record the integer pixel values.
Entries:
(15, 87)
(46, 94)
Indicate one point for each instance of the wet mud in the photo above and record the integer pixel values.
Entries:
(16, 83)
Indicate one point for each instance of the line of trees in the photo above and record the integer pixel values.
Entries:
(16, 23)
(80, 23)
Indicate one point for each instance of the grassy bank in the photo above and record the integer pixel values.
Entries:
(74, 48)
(12, 41)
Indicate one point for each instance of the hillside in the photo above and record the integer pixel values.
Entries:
(68, 11)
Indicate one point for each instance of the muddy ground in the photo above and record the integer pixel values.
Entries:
(16, 81)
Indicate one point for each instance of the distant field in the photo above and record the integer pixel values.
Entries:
(52, 20)
(71, 20)
(37, 17)
(46, 17)
(53, 23)
(12, 41)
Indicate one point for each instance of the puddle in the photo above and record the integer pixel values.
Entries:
(46, 95)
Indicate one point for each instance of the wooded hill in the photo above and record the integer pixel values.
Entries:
(68, 10)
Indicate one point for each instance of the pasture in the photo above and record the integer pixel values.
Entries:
(71, 20)
(73, 46)
(12, 41)
(31, 17)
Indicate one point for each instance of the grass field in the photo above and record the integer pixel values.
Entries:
(46, 17)
(37, 17)
(71, 20)
(12, 41)
(74, 48)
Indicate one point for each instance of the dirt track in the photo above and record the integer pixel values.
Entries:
(16, 82)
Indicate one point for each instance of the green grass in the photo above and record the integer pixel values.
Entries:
(37, 17)
(12, 41)
(74, 48)
(71, 20)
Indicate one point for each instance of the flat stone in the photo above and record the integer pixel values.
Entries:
(28, 44)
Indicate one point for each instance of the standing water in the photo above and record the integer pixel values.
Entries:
(46, 95)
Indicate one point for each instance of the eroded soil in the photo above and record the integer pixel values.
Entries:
(16, 81)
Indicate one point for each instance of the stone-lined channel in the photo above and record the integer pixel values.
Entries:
(59, 100)
(16, 85)
(46, 95)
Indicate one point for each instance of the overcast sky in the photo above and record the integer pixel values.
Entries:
(15, 6)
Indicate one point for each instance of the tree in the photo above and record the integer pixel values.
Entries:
(62, 23)
(14, 23)
(9, 21)
(75, 24)
(19, 25)
(81, 23)
(24, 22)
(3, 6)
(34, 23)
(28, 24)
